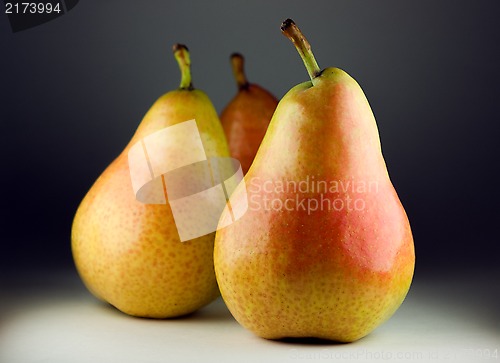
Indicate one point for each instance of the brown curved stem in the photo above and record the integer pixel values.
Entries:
(238, 65)
(292, 32)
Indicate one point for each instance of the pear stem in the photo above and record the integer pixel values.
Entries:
(181, 54)
(238, 65)
(292, 32)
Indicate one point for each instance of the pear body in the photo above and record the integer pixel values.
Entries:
(325, 248)
(245, 120)
(129, 253)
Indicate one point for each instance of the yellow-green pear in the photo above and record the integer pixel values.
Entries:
(325, 248)
(129, 253)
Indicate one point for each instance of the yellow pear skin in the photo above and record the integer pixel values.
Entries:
(334, 273)
(129, 253)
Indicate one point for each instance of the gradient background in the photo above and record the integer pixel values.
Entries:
(73, 90)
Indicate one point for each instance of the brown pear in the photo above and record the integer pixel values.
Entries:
(246, 117)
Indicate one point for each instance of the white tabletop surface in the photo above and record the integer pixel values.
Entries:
(50, 317)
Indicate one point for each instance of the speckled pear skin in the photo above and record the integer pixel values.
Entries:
(327, 274)
(129, 253)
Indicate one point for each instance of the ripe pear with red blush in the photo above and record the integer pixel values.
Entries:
(246, 117)
(325, 248)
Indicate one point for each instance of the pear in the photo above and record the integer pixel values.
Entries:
(129, 253)
(246, 117)
(325, 249)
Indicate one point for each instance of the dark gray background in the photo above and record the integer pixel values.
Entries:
(73, 91)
